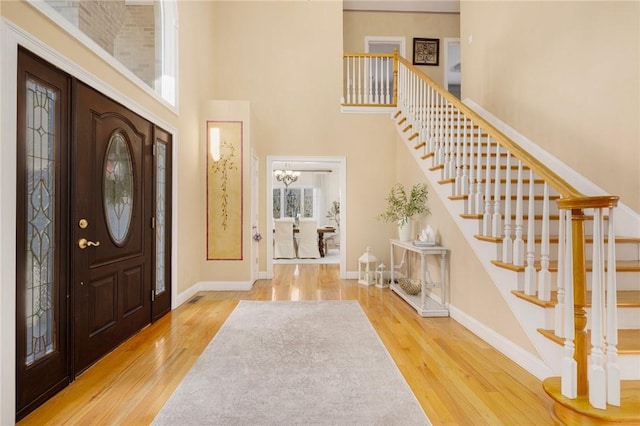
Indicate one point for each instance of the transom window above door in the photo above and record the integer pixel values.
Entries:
(139, 37)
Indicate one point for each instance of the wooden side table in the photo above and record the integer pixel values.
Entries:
(427, 304)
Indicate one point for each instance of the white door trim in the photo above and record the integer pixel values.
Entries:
(401, 41)
(342, 167)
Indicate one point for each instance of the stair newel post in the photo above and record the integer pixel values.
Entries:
(479, 202)
(458, 167)
(597, 378)
(559, 309)
(386, 81)
(507, 242)
(544, 276)
(349, 60)
(361, 79)
(530, 270)
(613, 369)
(518, 243)
(486, 218)
(579, 296)
(569, 377)
(496, 225)
(395, 76)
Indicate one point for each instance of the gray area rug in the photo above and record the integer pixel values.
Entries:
(288, 363)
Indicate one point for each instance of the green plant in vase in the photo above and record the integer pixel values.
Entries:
(334, 213)
(402, 206)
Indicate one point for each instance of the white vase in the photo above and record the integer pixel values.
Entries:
(404, 231)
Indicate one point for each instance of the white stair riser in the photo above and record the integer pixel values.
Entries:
(628, 318)
(624, 280)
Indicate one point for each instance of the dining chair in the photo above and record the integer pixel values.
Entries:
(283, 239)
(308, 239)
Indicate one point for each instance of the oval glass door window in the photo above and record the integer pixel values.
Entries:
(118, 188)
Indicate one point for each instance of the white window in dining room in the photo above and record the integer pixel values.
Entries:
(291, 202)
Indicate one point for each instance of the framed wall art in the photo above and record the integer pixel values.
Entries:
(224, 190)
(426, 51)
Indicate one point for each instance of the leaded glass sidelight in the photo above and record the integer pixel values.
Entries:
(40, 217)
(161, 191)
(118, 188)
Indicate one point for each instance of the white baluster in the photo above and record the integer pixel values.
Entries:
(464, 185)
(507, 242)
(486, 219)
(447, 144)
(530, 270)
(613, 370)
(496, 225)
(472, 173)
(454, 127)
(569, 373)
(544, 276)
(558, 314)
(386, 81)
(597, 379)
(360, 94)
(349, 80)
(518, 242)
(479, 200)
(457, 187)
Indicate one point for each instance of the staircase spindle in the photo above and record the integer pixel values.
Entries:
(559, 310)
(597, 378)
(454, 159)
(507, 242)
(457, 186)
(613, 369)
(386, 81)
(479, 200)
(496, 225)
(486, 218)
(430, 121)
(544, 276)
(440, 135)
(472, 174)
(359, 73)
(464, 184)
(518, 242)
(530, 270)
(569, 374)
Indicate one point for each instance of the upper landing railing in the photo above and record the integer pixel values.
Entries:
(511, 192)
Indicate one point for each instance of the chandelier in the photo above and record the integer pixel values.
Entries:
(286, 176)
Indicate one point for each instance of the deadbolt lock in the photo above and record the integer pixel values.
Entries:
(83, 223)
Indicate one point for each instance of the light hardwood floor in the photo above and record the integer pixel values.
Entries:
(457, 378)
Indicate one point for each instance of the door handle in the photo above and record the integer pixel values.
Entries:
(83, 243)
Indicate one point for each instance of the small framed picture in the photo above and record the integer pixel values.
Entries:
(425, 51)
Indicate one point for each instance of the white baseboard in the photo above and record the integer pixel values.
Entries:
(514, 352)
(212, 286)
(627, 221)
(225, 285)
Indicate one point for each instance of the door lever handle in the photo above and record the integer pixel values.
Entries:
(83, 243)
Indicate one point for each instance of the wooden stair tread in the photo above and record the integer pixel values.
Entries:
(553, 239)
(628, 340)
(625, 298)
(579, 411)
(621, 266)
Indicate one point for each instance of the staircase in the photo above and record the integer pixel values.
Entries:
(549, 244)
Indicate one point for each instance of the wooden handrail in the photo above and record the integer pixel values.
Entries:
(565, 189)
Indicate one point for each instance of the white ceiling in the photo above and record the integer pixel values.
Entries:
(437, 6)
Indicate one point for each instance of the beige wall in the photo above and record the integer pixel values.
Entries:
(285, 58)
(567, 76)
(358, 25)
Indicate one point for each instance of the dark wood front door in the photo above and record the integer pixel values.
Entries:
(93, 228)
(112, 215)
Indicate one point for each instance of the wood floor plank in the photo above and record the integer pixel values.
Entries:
(457, 378)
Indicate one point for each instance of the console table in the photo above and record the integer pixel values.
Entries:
(425, 303)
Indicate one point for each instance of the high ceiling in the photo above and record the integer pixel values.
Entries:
(439, 6)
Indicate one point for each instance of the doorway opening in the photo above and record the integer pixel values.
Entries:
(320, 183)
(452, 66)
